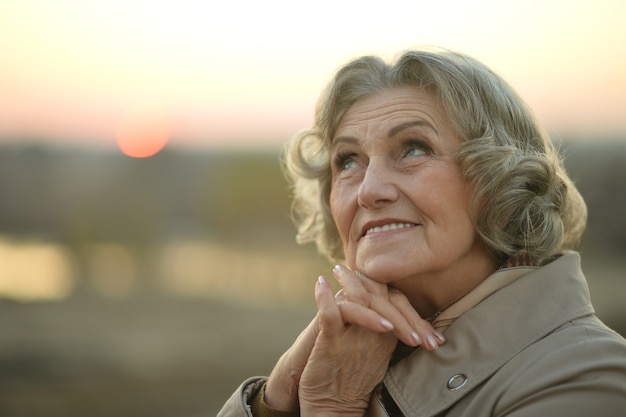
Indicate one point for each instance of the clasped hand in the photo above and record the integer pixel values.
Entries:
(343, 354)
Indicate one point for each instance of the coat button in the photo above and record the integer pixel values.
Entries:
(456, 382)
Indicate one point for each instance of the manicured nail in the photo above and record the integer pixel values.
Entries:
(432, 342)
(321, 280)
(339, 268)
(439, 336)
(386, 324)
(416, 338)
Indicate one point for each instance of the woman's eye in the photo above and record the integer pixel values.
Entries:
(344, 161)
(414, 152)
(349, 164)
(416, 148)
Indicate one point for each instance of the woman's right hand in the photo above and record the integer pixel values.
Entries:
(346, 364)
(281, 390)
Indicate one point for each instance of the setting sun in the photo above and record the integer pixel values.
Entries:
(70, 68)
(143, 133)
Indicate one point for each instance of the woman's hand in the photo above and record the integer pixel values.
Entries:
(346, 363)
(374, 310)
(328, 346)
(377, 307)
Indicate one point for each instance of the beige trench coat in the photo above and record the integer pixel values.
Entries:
(533, 348)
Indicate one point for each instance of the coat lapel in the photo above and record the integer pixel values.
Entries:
(489, 335)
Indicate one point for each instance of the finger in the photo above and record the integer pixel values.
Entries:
(390, 304)
(352, 286)
(430, 337)
(353, 313)
(373, 287)
(380, 302)
(360, 289)
(329, 316)
(401, 326)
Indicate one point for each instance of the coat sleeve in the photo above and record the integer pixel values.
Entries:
(238, 403)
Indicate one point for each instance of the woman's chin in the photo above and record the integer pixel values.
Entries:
(381, 270)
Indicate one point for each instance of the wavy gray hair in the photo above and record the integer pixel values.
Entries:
(523, 202)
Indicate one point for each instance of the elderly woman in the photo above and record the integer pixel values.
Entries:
(449, 213)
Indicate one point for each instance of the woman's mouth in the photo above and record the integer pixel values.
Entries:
(387, 227)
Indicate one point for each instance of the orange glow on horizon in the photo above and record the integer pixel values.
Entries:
(143, 133)
(71, 68)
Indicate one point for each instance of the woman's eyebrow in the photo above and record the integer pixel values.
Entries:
(350, 140)
(397, 129)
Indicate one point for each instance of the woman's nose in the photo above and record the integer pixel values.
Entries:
(377, 187)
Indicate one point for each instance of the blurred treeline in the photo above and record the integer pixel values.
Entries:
(76, 196)
(80, 196)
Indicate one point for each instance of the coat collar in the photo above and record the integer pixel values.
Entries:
(489, 335)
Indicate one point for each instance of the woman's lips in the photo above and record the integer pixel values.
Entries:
(387, 227)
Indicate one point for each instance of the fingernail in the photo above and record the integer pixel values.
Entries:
(416, 338)
(386, 324)
(432, 342)
(439, 336)
(339, 268)
(321, 280)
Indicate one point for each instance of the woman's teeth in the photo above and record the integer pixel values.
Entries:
(391, 226)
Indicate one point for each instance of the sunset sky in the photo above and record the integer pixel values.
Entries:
(248, 73)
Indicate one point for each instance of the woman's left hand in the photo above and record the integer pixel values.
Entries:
(368, 303)
(346, 364)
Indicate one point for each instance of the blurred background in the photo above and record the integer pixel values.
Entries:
(147, 261)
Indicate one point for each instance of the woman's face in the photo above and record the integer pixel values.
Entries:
(398, 197)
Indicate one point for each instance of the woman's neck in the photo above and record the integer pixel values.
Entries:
(433, 293)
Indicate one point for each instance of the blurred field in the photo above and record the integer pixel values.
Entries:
(146, 356)
(174, 347)
(163, 355)
(154, 287)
